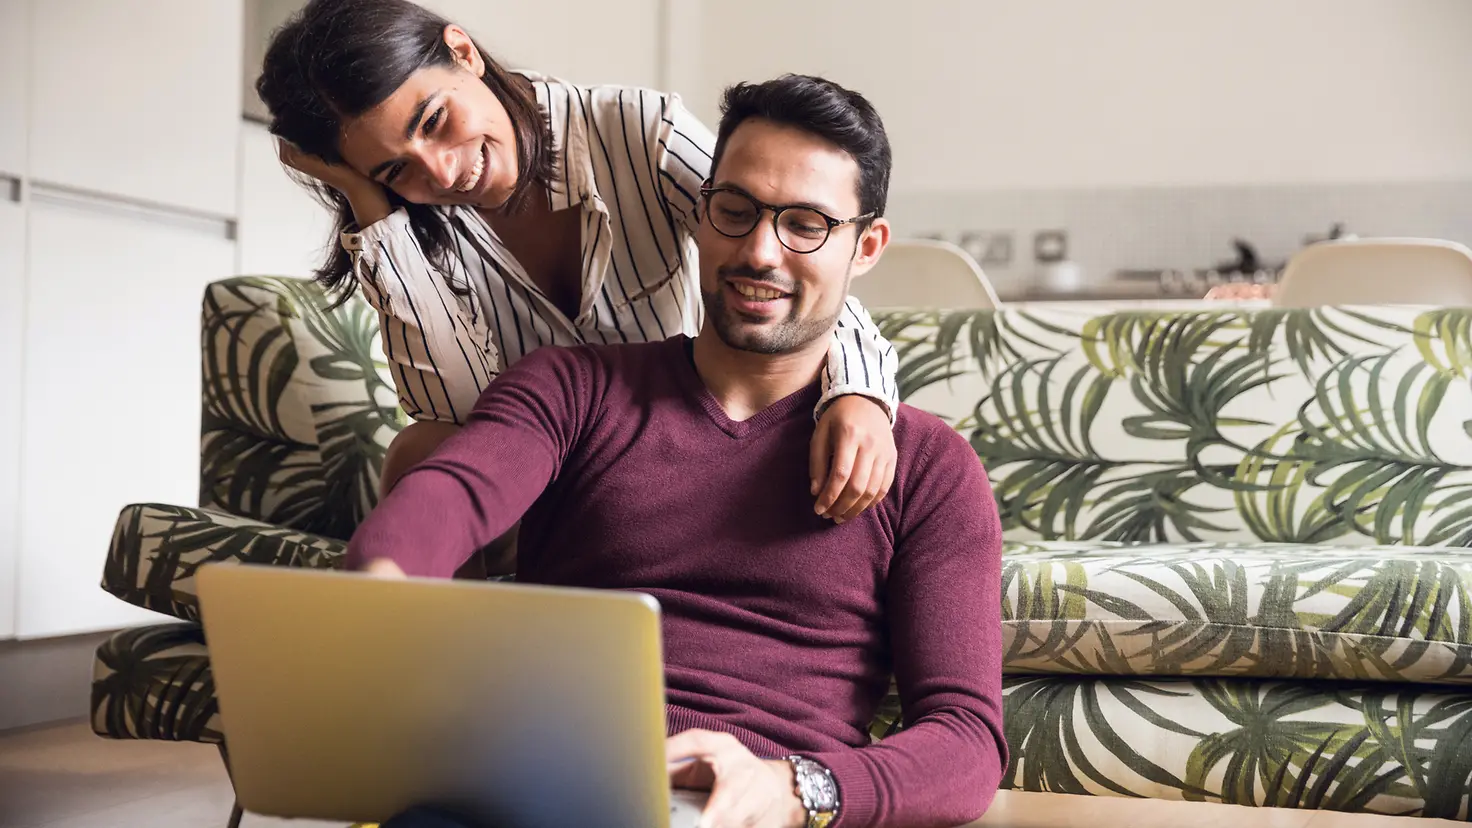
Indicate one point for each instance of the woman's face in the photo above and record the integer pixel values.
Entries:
(442, 137)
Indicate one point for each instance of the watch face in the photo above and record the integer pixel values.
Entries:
(817, 787)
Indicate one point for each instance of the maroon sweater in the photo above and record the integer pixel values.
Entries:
(779, 627)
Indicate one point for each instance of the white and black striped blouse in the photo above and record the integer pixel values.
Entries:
(633, 160)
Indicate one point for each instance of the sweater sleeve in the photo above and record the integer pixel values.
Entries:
(485, 477)
(944, 597)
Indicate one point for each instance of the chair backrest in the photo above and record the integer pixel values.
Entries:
(921, 273)
(1387, 271)
(297, 405)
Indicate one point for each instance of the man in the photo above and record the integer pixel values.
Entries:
(666, 468)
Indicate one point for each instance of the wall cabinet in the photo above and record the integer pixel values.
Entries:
(111, 407)
(138, 100)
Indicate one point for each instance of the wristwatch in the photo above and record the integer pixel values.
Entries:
(817, 790)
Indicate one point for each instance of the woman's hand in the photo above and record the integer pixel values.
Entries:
(368, 198)
(852, 457)
(340, 177)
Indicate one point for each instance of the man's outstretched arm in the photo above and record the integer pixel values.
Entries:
(483, 479)
(945, 608)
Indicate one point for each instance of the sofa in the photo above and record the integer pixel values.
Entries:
(1236, 565)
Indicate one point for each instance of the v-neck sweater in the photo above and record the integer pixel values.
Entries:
(778, 626)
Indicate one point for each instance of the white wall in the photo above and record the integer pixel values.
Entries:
(13, 57)
(283, 231)
(583, 41)
(1081, 93)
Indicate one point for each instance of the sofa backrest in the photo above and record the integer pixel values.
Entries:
(297, 406)
(1350, 425)
(1347, 425)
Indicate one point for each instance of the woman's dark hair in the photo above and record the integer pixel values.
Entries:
(337, 59)
(840, 116)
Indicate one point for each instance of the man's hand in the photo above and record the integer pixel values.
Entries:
(745, 792)
(851, 458)
(384, 568)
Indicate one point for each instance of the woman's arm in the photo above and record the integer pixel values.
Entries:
(438, 345)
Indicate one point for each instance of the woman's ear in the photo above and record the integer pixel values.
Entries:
(871, 246)
(466, 55)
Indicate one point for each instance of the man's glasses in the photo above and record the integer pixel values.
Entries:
(800, 229)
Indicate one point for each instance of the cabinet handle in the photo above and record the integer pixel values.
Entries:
(60, 195)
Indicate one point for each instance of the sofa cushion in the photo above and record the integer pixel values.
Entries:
(155, 682)
(1391, 613)
(1382, 748)
(1341, 746)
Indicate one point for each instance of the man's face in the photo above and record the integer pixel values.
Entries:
(759, 295)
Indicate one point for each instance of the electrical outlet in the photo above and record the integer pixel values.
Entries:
(1050, 246)
(973, 243)
(998, 250)
(987, 247)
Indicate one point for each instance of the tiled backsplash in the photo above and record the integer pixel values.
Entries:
(1188, 228)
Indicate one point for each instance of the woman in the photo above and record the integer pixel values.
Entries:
(486, 213)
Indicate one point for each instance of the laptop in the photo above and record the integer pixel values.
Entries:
(352, 698)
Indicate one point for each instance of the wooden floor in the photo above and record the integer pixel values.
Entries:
(64, 777)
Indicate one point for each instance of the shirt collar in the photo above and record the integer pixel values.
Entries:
(572, 176)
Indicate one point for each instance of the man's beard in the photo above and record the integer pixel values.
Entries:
(780, 337)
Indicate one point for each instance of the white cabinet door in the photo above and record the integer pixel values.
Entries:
(111, 398)
(138, 99)
(12, 294)
(13, 54)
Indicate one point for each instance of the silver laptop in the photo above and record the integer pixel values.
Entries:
(346, 697)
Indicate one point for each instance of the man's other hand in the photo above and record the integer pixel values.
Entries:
(384, 568)
(745, 792)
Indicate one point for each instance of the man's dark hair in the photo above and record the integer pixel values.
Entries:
(840, 116)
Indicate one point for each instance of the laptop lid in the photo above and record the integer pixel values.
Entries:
(347, 697)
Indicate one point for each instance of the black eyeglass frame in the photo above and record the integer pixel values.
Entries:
(706, 190)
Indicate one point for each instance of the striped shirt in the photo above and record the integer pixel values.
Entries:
(633, 161)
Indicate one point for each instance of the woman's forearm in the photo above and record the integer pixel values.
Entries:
(369, 203)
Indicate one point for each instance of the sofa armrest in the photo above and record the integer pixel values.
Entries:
(157, 549)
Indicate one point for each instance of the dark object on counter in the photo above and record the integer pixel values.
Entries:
(1246, 263)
